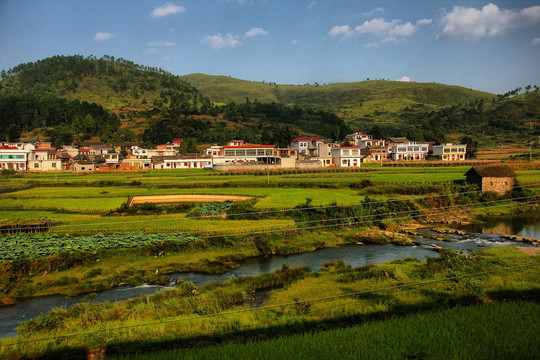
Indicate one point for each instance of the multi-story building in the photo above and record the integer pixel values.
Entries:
(409, 151)
(357, 137)
(13, 158)
(44, 160)
(450, 151)
(347, 156)
(363, 143)
(307, 145)
(244, 153)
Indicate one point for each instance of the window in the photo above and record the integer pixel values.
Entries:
(345, 152)
(36, 165)
(354, 152)
(53, 165)
(269, 152)
(241, 152)
(229, 152)
(251, 152)
(260, 151)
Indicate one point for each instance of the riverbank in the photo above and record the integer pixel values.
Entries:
(103, 270)
(299, 300)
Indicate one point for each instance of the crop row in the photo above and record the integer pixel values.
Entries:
(40, 245)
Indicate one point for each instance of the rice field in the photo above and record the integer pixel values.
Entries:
(492, 331)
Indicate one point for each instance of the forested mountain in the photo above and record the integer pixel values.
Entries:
(76, 98)
(73, 98)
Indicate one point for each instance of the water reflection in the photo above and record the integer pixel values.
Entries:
(527, 225)
(355, 255)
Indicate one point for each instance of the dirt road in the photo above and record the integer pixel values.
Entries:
(185, 198)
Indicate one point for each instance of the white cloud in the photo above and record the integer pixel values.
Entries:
(343, 30)
(240, 2)
(404, 78)
(161, 43)
(151, 51)
(166, 10)
(402, 30)
(536, 41)
(295, 42)
(375, 27)
(424, 22)
(390, 39)
(219, 41)
(312, 5)
(372, 12)
(102, 36)
(390, 31)
(473, 24)
(255, 32)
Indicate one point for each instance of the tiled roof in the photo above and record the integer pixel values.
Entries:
(492, 171)
(308, 139)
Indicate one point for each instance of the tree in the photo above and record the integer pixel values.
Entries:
(439, 136)
(191, 146)
(472, 146)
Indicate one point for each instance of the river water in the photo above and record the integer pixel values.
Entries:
(480, 236)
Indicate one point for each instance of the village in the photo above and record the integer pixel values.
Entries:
(304, 152)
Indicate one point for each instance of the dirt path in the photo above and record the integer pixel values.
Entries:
(185, 198)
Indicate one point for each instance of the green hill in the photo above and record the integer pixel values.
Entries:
(110, 82)
(380, 98)
(67, 98)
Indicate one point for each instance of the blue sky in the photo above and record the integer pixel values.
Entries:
(490, 46)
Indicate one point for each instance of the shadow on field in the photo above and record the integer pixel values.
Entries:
(241, 336)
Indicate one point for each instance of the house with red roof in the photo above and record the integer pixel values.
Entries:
(13, 158)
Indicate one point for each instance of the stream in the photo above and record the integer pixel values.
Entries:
(479, 237)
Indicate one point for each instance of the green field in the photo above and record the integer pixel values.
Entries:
(493, 331)
(84, 199)
(431, 303)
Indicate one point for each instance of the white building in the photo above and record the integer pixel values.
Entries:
(13, 158)
(347, 156)
(409, 151)
(307, 145)
(244, 153)
(357, 137)
(189, 161)
(44, 160)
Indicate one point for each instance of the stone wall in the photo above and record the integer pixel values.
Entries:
(497, 184)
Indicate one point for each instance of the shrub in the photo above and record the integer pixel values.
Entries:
(92, 273)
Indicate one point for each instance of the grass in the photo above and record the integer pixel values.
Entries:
(491, 331)
(298, 285)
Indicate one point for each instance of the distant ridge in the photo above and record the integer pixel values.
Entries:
(355, 98)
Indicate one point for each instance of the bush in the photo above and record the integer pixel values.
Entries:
(92, 273)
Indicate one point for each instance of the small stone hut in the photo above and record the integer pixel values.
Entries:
(498, 178)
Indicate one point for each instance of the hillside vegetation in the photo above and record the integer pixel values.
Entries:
(357, 99)
(73, 98)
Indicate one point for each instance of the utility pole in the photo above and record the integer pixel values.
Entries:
(267, 170)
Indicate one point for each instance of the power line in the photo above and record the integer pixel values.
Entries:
(358, 222)
(223, 313)
(263, 212)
